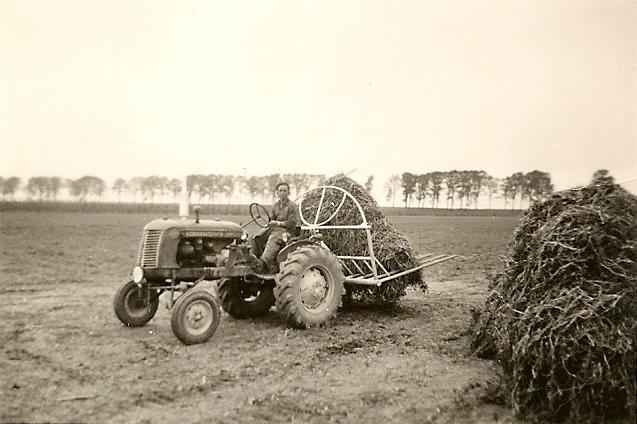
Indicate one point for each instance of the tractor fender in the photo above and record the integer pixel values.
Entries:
(283, 254)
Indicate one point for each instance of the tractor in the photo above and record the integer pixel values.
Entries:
(175, 255)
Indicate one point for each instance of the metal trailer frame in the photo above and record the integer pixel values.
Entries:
(364, 270)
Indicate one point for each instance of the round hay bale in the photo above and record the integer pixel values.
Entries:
(562, 315)
(392, 249)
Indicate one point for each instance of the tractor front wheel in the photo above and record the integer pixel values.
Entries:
(133, 306)
(195, 317)
(309, 287)
(243, 301)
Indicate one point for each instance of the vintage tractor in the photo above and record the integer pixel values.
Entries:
(175, 255)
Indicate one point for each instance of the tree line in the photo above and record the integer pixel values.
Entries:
(203, 188)
(456, 188)
(466, 187)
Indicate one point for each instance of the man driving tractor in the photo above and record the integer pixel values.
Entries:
(284, 222)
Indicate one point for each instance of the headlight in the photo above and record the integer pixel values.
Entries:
(138, 274)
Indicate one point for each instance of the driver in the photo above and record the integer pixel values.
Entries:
(284, 218)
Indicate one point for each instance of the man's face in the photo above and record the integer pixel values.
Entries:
(283, 191)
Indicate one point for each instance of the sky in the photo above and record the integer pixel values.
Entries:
(123, 89)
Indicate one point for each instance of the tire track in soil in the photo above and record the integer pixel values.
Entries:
(380, 346)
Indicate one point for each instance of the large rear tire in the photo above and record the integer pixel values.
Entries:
(243, 301)
(309, 287)
(131, 304)
(195, 317)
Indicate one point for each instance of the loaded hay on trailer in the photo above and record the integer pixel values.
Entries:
(562, 315)
(391, 248)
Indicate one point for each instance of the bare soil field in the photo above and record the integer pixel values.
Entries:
(66, 358)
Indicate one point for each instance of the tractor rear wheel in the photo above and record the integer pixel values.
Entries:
(195, 317)
(309, 287)
(132, 305)
(242, 301)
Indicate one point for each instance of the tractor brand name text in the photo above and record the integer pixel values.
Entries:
(199, 234)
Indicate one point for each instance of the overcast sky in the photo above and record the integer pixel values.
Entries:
(136, 88)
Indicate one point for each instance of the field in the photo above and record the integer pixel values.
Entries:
(66, 358)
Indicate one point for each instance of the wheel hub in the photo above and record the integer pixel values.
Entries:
(313, 288)
(198, 317)
(135, 304)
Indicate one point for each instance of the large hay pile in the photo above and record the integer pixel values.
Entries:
(562, 316)
(391, 248)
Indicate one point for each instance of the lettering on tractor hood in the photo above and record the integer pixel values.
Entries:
(205, 227)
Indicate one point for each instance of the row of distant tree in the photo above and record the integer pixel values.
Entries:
(203, 188)
(209, 187)
(457, 188)
(466, 187)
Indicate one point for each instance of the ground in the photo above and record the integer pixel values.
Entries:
(66, 358)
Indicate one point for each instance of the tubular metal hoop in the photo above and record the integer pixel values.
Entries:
(356, 273)
(364, 225)
(308, 226)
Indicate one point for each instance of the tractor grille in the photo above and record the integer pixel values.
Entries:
(140, 249)
(150, 249)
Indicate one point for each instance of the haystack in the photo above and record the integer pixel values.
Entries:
(391, 248)
(562, 316)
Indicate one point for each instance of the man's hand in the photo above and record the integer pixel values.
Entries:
(276, 224)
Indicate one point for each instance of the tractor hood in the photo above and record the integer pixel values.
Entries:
(203, 228)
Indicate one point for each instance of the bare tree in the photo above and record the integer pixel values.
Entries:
(254, 186)
(270, 182)
(452, 181)
(492, 186)
(408, 183)
(9, 186)
(437, 179)
(307, 182)
(391, 186)
(369, 184)
(478, 182)
(193, 184)
(174, 187)
(87, 186)
(602, 176)
(318, 180)
(226, 185)
(422, 188)
(118, 186)
(298, 181)
(153, 185)
(136, 185)
(240, 182)
(509, 190)
(207, 187)
(538, 185)
(53, 187)
(465, 185)
(37, 186)
(519, 186)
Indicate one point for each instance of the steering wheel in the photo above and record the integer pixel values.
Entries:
(259, 215)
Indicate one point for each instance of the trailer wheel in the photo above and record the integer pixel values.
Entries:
(242, 301)
(195, 317)
(132, 307)
(309, 287)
